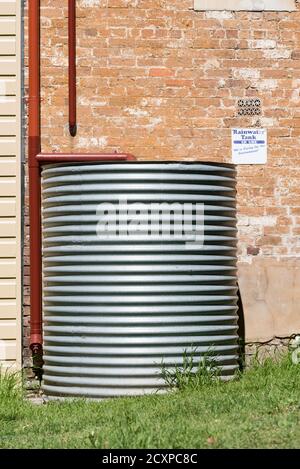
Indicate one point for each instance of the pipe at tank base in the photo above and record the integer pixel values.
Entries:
(34, 147)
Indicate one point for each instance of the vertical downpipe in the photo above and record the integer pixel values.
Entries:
(72, 67)
(34, 147)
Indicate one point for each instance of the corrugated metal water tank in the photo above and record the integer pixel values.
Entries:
(114, 308)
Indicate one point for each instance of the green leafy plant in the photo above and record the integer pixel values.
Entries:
(11, 393)
(10, 384)
(193, 373)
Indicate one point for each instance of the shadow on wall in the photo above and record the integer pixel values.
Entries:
(241, 331)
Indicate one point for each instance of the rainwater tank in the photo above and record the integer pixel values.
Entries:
(119, 298)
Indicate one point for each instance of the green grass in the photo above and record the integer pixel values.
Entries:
(259, 410)
(190, 374)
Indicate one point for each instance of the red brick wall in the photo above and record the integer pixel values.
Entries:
(161, 81)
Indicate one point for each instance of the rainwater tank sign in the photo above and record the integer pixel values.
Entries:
(249, 146)
(245, 5)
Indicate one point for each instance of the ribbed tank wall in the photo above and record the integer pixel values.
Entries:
(115, 309)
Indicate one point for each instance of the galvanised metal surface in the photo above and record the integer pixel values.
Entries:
(116, 308)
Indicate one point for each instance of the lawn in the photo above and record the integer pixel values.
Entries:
(260, 409)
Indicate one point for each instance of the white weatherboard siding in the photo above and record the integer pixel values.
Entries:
(10, 184)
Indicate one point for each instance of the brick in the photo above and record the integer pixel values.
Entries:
(160, 72)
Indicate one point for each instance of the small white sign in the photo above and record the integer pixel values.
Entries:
(249, 146)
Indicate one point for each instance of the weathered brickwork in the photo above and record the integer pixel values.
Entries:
(161, 81)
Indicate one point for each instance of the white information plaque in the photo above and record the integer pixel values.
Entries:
(249, 146)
